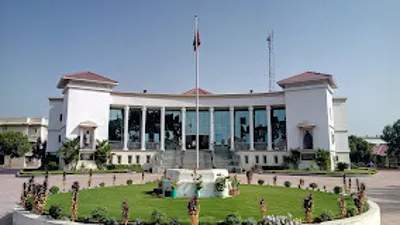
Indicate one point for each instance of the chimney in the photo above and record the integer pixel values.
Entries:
(144, 91)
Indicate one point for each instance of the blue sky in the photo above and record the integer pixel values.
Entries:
(148, 45)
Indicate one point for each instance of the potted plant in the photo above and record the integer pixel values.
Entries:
(235, 186)
(220, 185)
(173, 185)
(198, 182)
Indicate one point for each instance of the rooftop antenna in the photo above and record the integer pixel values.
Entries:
(271, 74)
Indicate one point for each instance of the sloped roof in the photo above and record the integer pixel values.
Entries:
(88, 124)
(380, 150)
(85, 76)
(308, 76)
(193, 92)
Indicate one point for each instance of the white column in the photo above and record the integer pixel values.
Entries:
(251, 127)
(183, 142)
(81, 137)
(126, 128)
(211, 110)
(94, 139)
(143, 128)
(232, 112)
(269, 127)
(162, 129)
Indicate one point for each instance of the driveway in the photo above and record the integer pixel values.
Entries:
(383, 188)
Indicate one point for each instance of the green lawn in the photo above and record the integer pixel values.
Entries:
(279, 200)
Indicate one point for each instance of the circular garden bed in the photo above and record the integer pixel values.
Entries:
(107, 201)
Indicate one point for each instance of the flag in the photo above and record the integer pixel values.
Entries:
(195, 46)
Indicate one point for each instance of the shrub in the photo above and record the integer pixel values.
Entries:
(337, 190)
(174, 221)
(326, 216)
(54, 190)
(52, 166)
(233, 219)
(341, 166)
(250, 221)
(29, 204)
(102, 184)
(313, 186)
(278, 220)
(157, 217)
(351, 211)
(129, 182)
(56, 212)
(112, 221)
(99, 214)
(261, 182)
(287, 184)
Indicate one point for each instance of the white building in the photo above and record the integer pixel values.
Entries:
(34, 128)
(158, 130)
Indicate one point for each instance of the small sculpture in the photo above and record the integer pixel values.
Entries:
(90, 178)
(125, 212)
(301, 183)
(114, 179)
(357, 185)
(249, 175)
(275, 179)
(142, 176)
(263, 207)
(342, 207)
(74, 202)
(308, 141)
(86, 138)
(193, 210)
(324, 188)
(308, 205)
(64, 180)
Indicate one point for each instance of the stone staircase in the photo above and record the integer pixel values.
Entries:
(189, 159)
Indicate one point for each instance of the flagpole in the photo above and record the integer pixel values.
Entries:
(197, 91)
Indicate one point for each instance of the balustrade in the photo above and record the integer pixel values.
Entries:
(242, 146)
(152, 146)
(116, 144)
(260, 146)
(134, 145)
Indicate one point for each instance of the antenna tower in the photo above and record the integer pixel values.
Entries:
(271, 73)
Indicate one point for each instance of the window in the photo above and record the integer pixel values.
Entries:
(59, 138)
(35, 130)
(246, 159)
(60, 117)
(276, 159)
(257, 159)
(119, 159)
(138, 159)
(333, 138)
(147, 159)
(265, 159)
(129, 159)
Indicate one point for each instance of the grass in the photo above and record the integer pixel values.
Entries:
(324, 172)
(279, 200)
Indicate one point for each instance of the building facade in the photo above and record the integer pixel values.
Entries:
(34, 128)
(240, 130)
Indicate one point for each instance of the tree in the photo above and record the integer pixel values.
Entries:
(39, 149)
(391, 134)
(360, 149)
(14, 144)
(103, 153)
(70, 150)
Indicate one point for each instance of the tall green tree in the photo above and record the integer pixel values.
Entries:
(360, 149)
(39, 149)
(70, 150)
(14, 144)
(391, 134)
(102, 153)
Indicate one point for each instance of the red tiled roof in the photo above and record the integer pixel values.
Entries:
(380, 150)
(88, 76)
(193, 92)
(306, 77)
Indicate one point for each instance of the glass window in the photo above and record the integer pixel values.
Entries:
(153, 125)
(276, 159)
(173, 129)
(135, 123)
(278, 122)
(265, 159)
(257, 159)
(129, 159)
(137, 159)
(147, 159)
(222, 127)
(59, 138)
(260, 126)
(246, 159)
(242, 133)
(204, 129)
(116, 124)
(119, 159)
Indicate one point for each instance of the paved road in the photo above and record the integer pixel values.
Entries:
(383, 188)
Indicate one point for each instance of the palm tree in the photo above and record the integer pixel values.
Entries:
(70, 150)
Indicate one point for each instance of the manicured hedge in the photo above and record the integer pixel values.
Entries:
(41, 172)
(323, 172)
